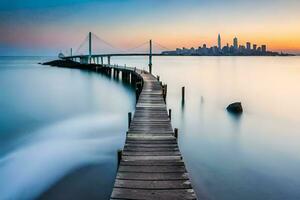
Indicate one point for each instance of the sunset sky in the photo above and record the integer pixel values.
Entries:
(45, 27)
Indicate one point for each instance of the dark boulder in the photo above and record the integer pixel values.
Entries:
(235, 108)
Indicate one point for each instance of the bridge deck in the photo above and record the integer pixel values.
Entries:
(151, 166)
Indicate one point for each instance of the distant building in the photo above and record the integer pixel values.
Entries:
(235, 43)
(248, 46)
(264, 48)
(219, 42)
(254, 47)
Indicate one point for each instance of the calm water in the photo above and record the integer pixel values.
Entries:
(57, 123)
(60, 128)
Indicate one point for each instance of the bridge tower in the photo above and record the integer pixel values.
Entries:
(90, 48)
(150, 57)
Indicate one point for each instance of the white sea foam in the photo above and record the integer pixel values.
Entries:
(53, 151)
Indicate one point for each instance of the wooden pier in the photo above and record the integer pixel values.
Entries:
(151, 165)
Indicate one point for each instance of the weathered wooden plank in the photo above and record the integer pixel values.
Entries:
(152, 145)
(155, 153)
(134, 158)
(151, 169)
(142, 184)
(152, 176)
(153, 163)
(153, 149)
(151, 166)
(177, 194)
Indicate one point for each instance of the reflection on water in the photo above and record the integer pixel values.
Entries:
(62, 114)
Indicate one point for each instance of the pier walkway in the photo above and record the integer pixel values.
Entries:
(151, 165)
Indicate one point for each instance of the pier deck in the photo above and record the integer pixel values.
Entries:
(151, 165)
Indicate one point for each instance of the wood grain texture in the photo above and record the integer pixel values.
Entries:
(151, 166)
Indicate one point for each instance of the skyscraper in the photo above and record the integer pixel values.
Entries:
(235, 42)
(248, 44)
(254, 47)
(264, 48)
(219, 41)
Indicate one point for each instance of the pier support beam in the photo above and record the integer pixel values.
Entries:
(108, 60)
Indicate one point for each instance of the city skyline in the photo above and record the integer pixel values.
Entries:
(45, 27)
(233, 49)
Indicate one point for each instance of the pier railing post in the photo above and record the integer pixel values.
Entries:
(170, 113)
(119, 156)
(137, 94)
(164, 90)
(150, 57)
(129, 118)
(176, 133)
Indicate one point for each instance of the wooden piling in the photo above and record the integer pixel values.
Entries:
(164, 91)
(136, 95)
(183, 94)
(129, 118)
(119, 156)
(176, 133)
(170, 113)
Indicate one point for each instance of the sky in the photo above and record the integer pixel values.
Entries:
(46, 27)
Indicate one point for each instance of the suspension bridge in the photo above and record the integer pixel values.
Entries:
(150, 166)
(95, 50)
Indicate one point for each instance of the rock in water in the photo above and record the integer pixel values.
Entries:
(235, 108)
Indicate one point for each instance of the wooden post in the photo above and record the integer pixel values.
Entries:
(138, 88)
(170, 112)
(133, 77)
(108, 60)
(129, 119)
(119, 156)
(136, 94)
(164, 89)
(176, 133)
(183, 94)
(157, 78)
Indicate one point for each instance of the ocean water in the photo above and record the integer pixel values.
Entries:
(60, 128)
